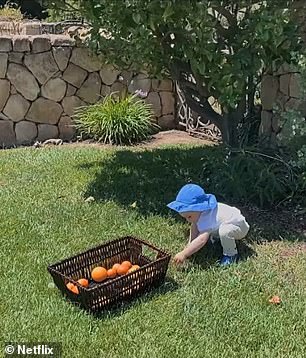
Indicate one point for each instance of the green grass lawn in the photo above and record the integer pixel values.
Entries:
(201, 311)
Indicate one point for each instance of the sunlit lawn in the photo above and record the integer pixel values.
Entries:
(202, 311)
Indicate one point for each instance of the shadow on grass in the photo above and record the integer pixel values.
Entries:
(212, 253)
(149, 179)
(168, 286)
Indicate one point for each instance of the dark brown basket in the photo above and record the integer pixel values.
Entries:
(153, 264)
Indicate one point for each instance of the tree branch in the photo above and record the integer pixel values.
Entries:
(187, 84)
(178, 67)
(203, 109)
(203, 89)
(251, 94)
(221, 31)
(242, 105)
(71, 6)
(66, 7)
(196, 94)
(227, 14)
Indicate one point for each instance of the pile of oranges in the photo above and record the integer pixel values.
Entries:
(100, 274)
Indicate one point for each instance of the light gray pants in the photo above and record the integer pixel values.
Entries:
(229, 233)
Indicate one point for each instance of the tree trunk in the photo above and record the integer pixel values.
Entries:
(197, 100)
(229, 129)
(267, 137)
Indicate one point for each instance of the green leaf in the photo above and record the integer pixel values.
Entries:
(151, 23)
(265, 36)
(201, 67)
(136, 17)
(227, 79)
(209, 56)
(138, 38)
(169, 11)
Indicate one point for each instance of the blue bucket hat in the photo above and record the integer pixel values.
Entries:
(192, 197)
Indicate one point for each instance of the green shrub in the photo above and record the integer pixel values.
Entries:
(9, 13)
(252, 177)
(68, 10)
(293, 127)
(299, 164)
(116, 120)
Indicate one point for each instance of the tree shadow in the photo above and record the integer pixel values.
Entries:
(169, 285)
(210, 256)
(148, 179)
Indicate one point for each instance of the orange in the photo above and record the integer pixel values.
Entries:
(99, 274)
(127, 263)
(75, 290)
(115, 267)
(275, 299)
(122, 269)
(83, 282)
(71, 287)
(111, 273)
(133, 268)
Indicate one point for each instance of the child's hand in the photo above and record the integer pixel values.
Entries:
(179, 258)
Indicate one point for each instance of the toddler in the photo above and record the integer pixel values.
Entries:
(209, 218)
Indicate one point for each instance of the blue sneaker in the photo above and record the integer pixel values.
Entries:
(228, 260)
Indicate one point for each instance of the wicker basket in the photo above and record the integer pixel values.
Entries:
(153, 264)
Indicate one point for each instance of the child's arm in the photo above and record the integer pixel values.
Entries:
(191, 248)
(194, 233)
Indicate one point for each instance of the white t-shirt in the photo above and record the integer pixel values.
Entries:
(210, 220)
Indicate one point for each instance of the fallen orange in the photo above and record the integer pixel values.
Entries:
(275, 300)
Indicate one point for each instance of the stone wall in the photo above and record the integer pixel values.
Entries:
(35, 27)
(43, 79)
(282, 90)
(20, 28)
